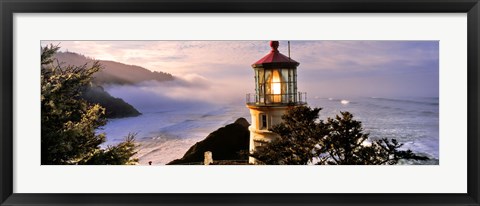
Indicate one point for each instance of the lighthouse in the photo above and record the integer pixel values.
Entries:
(275, 92)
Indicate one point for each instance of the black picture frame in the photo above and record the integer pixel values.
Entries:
(10, 7)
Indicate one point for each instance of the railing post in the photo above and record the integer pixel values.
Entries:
(208, 158)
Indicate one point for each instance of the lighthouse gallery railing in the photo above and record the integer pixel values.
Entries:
(299, 98)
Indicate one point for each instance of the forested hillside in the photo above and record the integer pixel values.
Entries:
(113, 72)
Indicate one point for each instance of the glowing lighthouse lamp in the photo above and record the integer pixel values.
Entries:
(275, 92)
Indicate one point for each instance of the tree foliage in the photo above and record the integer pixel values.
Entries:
(304, 139)
(68, 121)
(300, 134)
(120, 154)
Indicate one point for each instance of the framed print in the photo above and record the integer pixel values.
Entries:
(250, 103)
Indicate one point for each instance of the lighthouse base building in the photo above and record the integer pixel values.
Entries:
(275, 92)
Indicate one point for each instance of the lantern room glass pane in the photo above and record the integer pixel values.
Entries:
(276, 84)
(284, 80)
(293, 94)
(256, 81)
(295, 84)
(268, 85)
(261, 85)
(261, 77)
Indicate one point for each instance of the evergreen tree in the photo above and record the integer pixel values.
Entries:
(120, 154)
(346, 144)
(304, 139)
(300, 135)
(68, 121)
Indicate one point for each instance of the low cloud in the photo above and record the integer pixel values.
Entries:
(187, 91)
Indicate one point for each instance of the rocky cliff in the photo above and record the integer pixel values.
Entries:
(226, 143)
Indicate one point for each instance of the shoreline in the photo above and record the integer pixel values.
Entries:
(163, 150)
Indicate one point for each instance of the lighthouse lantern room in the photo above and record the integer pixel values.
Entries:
(275, 92)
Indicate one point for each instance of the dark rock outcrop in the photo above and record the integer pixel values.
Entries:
(114, 107)
(226, 143)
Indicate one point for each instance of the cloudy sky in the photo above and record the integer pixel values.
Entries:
(327, 68)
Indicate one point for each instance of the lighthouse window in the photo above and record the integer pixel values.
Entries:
(263, 121)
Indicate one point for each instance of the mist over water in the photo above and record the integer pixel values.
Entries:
(175, 115)
(196, 92)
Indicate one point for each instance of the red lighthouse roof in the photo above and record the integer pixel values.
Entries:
(275, 59)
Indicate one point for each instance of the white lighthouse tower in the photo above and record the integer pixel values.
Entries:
(275, 92)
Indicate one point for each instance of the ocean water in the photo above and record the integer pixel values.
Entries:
(167, 134)
(412, 121)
